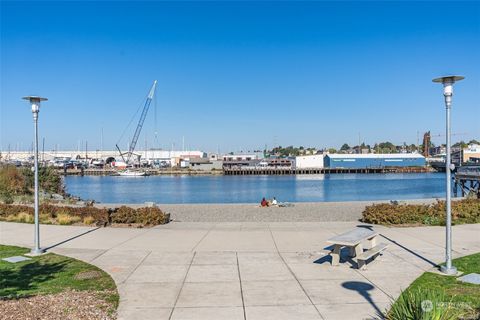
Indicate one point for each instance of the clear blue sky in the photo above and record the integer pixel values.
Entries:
(237, 76)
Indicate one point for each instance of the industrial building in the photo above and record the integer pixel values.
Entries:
(374, 160)
(309, 161)
(205, 164)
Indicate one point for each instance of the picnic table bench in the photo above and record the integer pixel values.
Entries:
(353, 240)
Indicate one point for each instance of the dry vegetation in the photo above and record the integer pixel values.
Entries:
(463, 211)
(65, 215)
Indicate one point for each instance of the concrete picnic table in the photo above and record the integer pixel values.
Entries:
(353, 240)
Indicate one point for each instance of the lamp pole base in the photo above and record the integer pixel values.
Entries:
(449, 271)
(36, 252)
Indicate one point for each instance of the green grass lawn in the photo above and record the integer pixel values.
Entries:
(50, 274)
(457, 293)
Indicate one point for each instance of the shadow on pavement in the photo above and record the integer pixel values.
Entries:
(362, 288)
(433, 264)
(70, 239)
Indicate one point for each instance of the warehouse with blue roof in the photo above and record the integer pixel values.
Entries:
(371, 160)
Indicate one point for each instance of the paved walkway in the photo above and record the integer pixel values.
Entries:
(247, 270)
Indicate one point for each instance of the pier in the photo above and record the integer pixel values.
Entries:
(468, 179)
(290, 171)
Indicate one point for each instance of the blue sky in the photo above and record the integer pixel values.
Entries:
(237, 75)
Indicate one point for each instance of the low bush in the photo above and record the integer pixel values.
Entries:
(24, 217)
(147, 216)
(463, 211)
(65, 215)
(66, 219)
(88, 220)
(124, 214)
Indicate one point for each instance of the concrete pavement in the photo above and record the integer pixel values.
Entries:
(235, 270)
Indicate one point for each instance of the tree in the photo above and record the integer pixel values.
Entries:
(332, 150)
(473, 141)
(48, 179)
(345, 147)
(386, 147)
(460, 144)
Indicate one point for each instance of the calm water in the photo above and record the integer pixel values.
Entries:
(249, 189)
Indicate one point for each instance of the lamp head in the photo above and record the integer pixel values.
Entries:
(35, 101)
(448, 82)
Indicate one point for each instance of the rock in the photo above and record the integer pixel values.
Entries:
(56, 196)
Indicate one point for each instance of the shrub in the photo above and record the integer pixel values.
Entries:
(24, 217)
(6, 197)
(146, 216)
(463, 211)
(46, 219)
(150, 216)
(422, 305)
(12, 181)
(66, 219)
(52, 214)
(88, 220)
(124, 214)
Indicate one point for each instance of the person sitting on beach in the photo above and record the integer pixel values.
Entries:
(274, 201)
(264, 203)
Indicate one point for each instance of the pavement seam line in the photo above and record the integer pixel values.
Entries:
(136, 267)
(241, 288)
(181, 288)
(98, 255)
(293, 275)
(119, 244)
(201, 239)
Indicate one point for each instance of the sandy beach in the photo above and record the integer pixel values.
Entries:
(251, 212)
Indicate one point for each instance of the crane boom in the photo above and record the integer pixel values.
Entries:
(136, 135)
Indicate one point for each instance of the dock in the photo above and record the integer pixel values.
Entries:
(290, 171)
(468, 179)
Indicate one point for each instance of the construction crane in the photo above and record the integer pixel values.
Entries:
(427, 138)
(136, 135)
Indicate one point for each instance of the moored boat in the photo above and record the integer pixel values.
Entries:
(130, 173)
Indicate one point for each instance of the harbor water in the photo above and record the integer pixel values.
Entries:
(251, 189)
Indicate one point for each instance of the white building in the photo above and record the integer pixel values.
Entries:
(309, 162)
(470, 152)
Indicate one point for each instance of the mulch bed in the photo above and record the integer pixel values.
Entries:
(68, 305)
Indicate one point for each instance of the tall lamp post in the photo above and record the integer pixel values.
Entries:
(35, 102)
(448, 82)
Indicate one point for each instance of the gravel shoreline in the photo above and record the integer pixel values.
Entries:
(251, 212)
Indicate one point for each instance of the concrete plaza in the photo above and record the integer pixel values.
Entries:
(261, 270)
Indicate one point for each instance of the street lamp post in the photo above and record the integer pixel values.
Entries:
(448, 82)
(35, 102)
